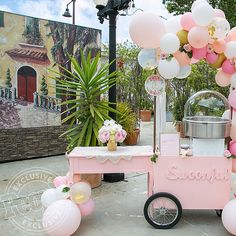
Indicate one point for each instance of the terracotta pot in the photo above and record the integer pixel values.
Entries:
(132, 138)
(95, 180)
(145, 115)
(180, 128)
(234, 165)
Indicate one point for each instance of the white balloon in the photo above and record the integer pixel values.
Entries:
(203, 14)
(169, 69)
(49, 196)
(147, 59)
(169, 43)
(184, 72)
(230, 50)
(196, 3)
(62, 193)
(219, 28)
(172, 25)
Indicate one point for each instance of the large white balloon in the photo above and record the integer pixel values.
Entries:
(184, 72)
(169, 43)
(172, 25)
(203, 14)
(230, 50)
(61, 218)
(146, 29)
(169, 68)
(196, 3)
(228, 216)
(49, 196)
(147, 58)
(219, 28)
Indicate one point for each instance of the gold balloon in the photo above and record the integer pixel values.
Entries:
(183, 37)
(219, 61)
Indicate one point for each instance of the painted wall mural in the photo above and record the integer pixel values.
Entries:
(29, 47)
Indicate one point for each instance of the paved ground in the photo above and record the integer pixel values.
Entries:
(119, 206)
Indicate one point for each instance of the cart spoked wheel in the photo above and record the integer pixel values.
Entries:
(162, 210)
(219, 213)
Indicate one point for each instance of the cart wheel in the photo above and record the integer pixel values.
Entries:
(162, 210)
(219, 213)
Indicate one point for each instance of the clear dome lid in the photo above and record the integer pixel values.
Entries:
(206, 103)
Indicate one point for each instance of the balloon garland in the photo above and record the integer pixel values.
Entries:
(65, 205)
(179, 42)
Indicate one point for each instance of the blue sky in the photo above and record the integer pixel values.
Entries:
(86, 13)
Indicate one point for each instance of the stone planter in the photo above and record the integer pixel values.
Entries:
(145, 115)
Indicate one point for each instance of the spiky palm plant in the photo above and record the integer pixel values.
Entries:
(85, 111)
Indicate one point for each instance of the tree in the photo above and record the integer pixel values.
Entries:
(131, 77)
(66, 37)
(181, 6)
(179, 90)
(32, 32)
(8, 79)
(44, 86)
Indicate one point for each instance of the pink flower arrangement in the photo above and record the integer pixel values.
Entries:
(227, 153)
(111, 130)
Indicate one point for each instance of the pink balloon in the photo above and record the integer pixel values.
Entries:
(219, 46)
(228, 68)
(146, 29)
(194, 61)
(231, 35)
(232, 98)
(199, 53)
(198, 37)
(61, 218)
(219, 13)
(182, 58)
(211, 58)
(187, 21)
(229, 215)
(232, 147)
(87, 208)
(222, 79)
(60, 180)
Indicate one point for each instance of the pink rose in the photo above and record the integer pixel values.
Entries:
(120, 136)
(104, 136)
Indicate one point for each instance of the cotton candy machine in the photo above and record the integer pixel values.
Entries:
(203, 116)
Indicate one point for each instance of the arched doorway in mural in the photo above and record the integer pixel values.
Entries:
(26, 83)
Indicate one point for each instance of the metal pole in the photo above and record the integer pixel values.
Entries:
(112, 58)
(113, 177)
(73, 16)
(155, 122)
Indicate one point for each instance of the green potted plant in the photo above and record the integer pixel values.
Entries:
(85, 111)
(128, 120)
(146, 107)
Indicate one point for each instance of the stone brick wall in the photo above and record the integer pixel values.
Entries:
(25, 143)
